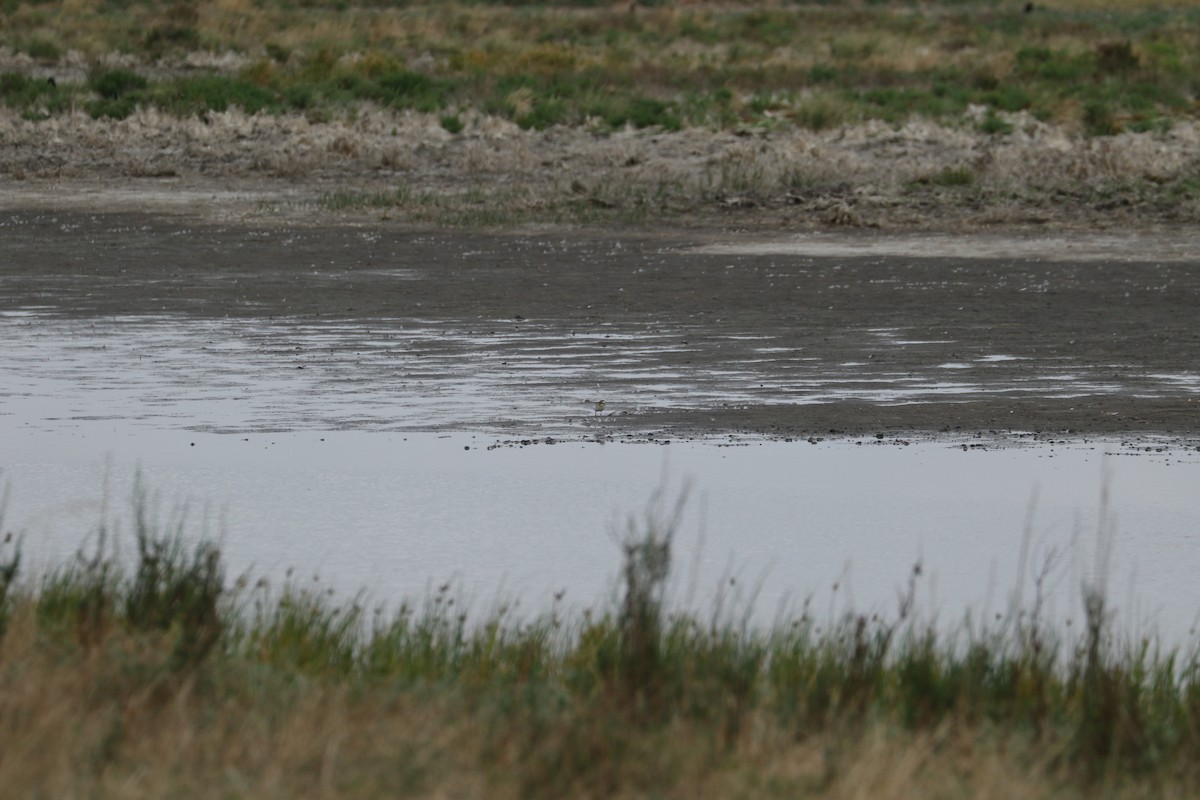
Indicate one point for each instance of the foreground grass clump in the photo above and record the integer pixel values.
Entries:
(155, 673)
(1101, 67)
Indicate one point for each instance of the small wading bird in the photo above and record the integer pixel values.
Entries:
(598, 405)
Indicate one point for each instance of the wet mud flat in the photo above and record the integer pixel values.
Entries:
(278, 326)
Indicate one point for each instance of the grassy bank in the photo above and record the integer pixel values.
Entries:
(161, 675)
(1098, 67)
(955, 114)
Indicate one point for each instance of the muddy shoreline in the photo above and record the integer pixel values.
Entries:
(781, 341)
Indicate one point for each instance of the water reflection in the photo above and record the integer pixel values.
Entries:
(316, 447)
(250, 375)
(396, 513)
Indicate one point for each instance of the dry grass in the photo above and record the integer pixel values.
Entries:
(107, 723)
(406, 167)
(772, 114)
(103, 693)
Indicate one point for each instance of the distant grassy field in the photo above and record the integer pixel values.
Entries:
(160, 675)
(1095, 67)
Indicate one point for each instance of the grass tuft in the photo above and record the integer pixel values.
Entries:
(175, 591)
(10, 568)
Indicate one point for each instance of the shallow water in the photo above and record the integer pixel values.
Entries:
(315, 447)
(249, 375)
(396, 513)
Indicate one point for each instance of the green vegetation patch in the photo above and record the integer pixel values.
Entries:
(36, 98)
(652, 65)
(201, 94)
(21, 90)
(408, 89)
(117, 83)
(110, 649)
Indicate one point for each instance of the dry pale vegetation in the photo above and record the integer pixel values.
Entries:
(786, 114)
(156, 676)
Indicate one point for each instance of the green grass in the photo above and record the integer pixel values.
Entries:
(953, 176)
(563, 699)
(811, 64)
(344, 199)
(35, 98)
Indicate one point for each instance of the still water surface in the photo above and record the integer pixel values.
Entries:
(399, 513)
(374, 467)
